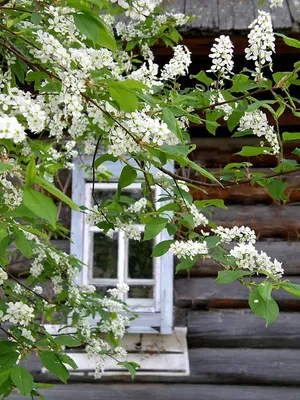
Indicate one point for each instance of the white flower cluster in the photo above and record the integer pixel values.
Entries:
(18, 313)
(188, 249)
(247, 257)
(257, 121)
(116, 326)
(118, 292)
(240, 234)
(147, 74)
(261, 43)
(143, 129)
(222, 54)
(27, 334)
(3, 276)
(178, 65)
(226, 108)
(135, 30)
(12, 195)
(95, 216)
(138, 207)
(10, 128)
(131, 231)
(138, 9)
(76, 292)
(198, 217)
(276, 3)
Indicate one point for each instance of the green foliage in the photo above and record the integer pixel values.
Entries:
(22, 379)
(229, 276)
(262, 303)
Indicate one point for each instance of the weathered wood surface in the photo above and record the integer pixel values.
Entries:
(217, 152)
(242, 328)
(286, 252)
(294, 7)
(137, 391)
(206, 293)
(205, 13)
(173, 6)
(246, 366)
(266, 220)
(242, 18)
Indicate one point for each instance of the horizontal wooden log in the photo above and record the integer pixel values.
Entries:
(240, 328)
(285, 252)
(137, 391)
(267, 221)
(246, 366)
(218, 151)
(206, 293)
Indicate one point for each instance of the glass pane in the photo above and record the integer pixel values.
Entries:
(104, 194)
(140, 263)
(105, 260)
(140, 292)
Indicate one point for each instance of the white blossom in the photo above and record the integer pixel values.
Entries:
(188, 249)
(3, 276)
(18, 313)
(10, 128)
(178, 65)
(27, 334)
(221, 54)
(240, 234)
(138, 207)
(276, 3)
(257, 121)
(247, 257)
(261, 43)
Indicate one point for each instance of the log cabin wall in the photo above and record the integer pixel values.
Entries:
(232, 354)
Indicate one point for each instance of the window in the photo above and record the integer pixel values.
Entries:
(117, 260)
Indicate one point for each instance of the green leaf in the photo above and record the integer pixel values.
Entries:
(131, 367)
(267, 309)
(290, 41)
(22, 379)
(127, 177)
(91, 26)
(249, 151)
(41, 205)
(30, 172)
(212, 202)
(126, 99)
(8, 354)
(187, 263)
(229, 276)
(291, 288)
(68, 360)
(52, 362)
(154, 227)
(4, 376)
(104, 158)
(234, 118)
(172, 229)
(202, 77)
(290, 136)
(67, 340)
(202, 171)
(162, 248)
(276, 189)
(171, 121)
(265, 290)
(56, 192)
(3, 230)
(23, 244)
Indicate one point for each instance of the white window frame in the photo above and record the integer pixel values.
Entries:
(159, 317)
(138, 304)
